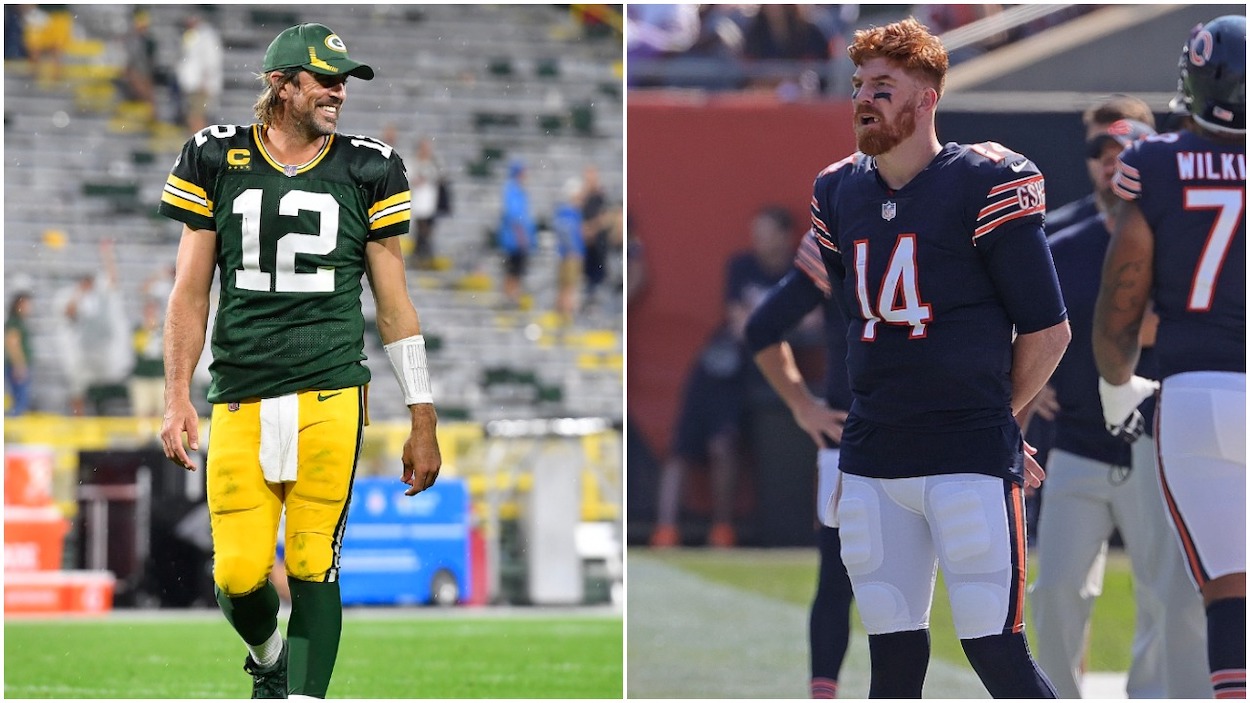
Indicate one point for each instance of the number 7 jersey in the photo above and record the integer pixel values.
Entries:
(290, 254)
(1192, 193)
(935, 278)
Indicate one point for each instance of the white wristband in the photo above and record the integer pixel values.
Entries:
(408, 362)
(1119, 402)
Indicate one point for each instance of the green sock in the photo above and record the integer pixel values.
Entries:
(313, 636)
(254, 616)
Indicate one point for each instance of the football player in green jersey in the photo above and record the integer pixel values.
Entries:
(291, 214)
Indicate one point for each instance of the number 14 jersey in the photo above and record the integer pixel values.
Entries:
(290, 254)
(935, 277)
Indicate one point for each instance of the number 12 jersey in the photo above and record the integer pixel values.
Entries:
(290, 254)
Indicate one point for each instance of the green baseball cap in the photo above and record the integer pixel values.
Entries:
(313, 47)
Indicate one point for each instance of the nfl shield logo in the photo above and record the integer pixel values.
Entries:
(233, 407)
(888, 210)
(290, 170)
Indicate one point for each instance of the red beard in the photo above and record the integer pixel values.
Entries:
(883, 136)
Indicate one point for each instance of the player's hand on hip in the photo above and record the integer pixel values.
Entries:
(180, 418)
(1034, 474)
(822, 423)
(1046, 404)
(422, 459)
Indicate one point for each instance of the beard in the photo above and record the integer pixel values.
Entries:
(307, 120)
(883, 136)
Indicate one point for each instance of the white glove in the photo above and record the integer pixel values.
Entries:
(1119, 402)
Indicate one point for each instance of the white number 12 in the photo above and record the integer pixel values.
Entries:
(898, 302)
(285, 279)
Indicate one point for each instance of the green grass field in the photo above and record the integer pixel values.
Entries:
(384, 654)
(722, 593)
(790, 575)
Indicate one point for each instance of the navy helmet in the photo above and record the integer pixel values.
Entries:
(1212, 86)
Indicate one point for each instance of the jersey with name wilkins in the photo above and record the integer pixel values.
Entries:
(1192, 193)
(290, 254)
(934, 278)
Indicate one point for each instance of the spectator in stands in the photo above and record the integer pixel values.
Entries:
(138, 80)
(943, 18)
(147, 378)
(714, 401)
(49, 29)
(200, 71)
(597, 233)
(17, 354)
(158, 286)
(1097, 118)
(425, 174)
(95, 343)
(654, 31)
(15, 33)
(783, 33)
(518, 234)
(570, 249)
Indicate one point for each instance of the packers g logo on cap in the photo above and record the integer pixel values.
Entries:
(336, 44)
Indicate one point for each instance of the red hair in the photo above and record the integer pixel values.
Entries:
(907, 43)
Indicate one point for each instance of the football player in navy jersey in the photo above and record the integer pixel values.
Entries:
(1179, 241)
(955, 318)
(805, 288)
(1097, 482)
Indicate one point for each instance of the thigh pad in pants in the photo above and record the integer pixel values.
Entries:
(888, 555)
(316, 503)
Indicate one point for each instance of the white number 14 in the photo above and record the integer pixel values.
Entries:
(898, 302)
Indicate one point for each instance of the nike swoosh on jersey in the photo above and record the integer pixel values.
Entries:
(321, 397)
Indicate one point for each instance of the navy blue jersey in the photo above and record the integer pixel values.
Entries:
(1192, 192)
(934, 278)
(746, 280)
(788, 302)
(1079, 251)
(1073, 213)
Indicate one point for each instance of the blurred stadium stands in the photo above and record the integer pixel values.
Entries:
(488, 83)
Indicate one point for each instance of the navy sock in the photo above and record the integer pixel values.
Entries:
(829, 627)
(1006, 667)
(899, 663)
(1226, 647)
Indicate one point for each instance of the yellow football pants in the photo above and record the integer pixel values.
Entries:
(245, 508)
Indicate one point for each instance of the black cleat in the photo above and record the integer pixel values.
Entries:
(268, 682)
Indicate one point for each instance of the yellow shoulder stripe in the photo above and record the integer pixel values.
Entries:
(395, 199)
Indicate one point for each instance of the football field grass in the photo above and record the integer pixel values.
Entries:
(733, 624)
(384, 654)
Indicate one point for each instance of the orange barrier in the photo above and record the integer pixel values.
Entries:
(34, 539)
(28, 475)
(34, 543)
(58, 593)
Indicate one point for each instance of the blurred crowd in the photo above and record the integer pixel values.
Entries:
(796, 51)
(185, 92)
